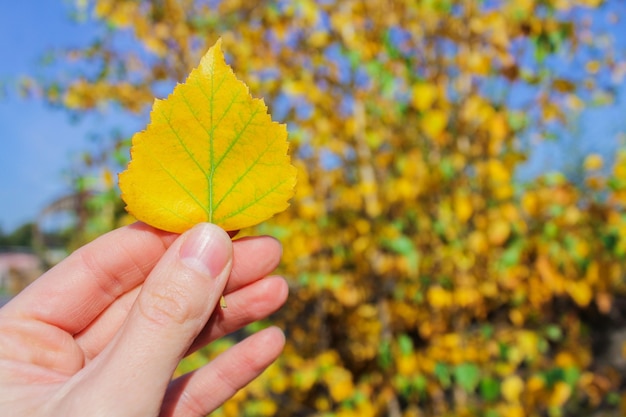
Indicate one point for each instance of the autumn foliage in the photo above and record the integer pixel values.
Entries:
(427, 277)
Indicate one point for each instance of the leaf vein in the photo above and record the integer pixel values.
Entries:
(243, 208)
(176, 180)
(238, 136)
(181, 141)
(243, 174)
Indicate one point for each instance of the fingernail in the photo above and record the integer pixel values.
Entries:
(207, 249)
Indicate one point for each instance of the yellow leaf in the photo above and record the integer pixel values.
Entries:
(593, 66)
(530, 203)
(499, 129)
(560, 394)
(580, 292)
(512, 388)
(510, 410)
(477, 242)
(535, 384)
(498, 232)
(211, 153)
(593, 162)
(565, 360)
(438, 297)
(423, 96)
(434, 123)
(463, 207)
(478, 64)
(407, 364)
(340, 384)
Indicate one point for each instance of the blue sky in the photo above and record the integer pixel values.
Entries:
(35, 140)
(37, 143)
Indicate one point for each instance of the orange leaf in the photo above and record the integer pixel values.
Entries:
(211, 153)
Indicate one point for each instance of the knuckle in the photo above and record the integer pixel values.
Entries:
(169, 304)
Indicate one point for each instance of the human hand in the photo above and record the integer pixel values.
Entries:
(101, 333)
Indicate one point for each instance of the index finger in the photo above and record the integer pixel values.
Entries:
(76, 291)
(70, 294)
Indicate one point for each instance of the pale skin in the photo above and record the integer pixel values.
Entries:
(101, 334)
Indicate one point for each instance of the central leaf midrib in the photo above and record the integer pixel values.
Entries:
(211, 137)
(211, 131)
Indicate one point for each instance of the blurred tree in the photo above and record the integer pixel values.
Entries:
(22, 236)
(425, 279)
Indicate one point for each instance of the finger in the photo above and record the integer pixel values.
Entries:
(245, 305)
(253, 259)
(174, 304)
(202, 391)
(78, 290)
(249, 304)
(101, 330)
(31, 342)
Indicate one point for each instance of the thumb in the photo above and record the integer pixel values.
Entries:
(173, 306)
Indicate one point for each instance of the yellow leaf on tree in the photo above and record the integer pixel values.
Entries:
(463, 207)
(560, 394)
(211, 153)
(423, 96)
(340, 384)
(512, 388)
(580, 292)
(434, 122)
(593, 162)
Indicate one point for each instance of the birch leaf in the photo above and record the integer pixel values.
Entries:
(211, 153)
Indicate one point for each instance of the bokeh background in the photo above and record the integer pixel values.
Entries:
(457, 242)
